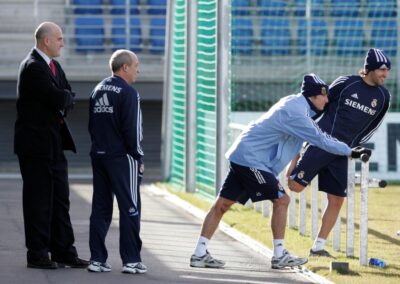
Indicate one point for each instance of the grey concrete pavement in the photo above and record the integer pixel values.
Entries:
(168, 233)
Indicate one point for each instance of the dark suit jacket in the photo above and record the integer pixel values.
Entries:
(41, 129)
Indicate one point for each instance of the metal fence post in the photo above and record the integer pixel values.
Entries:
(364, 213)
(191, 103)
(223, 44)
(350, 208)
(166, 132)
(302, 213)
(314, 208)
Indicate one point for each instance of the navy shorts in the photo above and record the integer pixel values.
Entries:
(331, 170)
(243, 183)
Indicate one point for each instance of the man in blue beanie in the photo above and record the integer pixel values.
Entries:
(356, 108)
(256, 158)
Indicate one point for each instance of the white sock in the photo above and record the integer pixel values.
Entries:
(278, 247)
(319, 244)
(201, 247)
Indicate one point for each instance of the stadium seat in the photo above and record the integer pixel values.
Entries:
(384, 35)
(157, 7)
(275, 37)
(349, 37)
(241, 7)
(242, 36)
(272, 7)
(382, 8)
(119, 35)
(118, 7)
(345, 8)
(92, 7)
(319, 37)
(317, 8)
(157, 35)
(89, 34)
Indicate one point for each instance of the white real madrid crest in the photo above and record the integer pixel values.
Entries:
(374, 103)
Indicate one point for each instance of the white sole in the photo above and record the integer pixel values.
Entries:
(133, 271)
(288, 265)
(204, 265)
(98, 269)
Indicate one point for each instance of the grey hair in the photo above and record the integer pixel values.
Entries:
(119, 58)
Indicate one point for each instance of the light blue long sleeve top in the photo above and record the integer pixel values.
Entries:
(275, 138)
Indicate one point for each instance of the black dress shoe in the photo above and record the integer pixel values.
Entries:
(42, 263)
(74, 262)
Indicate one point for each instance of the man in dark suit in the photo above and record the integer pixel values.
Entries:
(44, 98)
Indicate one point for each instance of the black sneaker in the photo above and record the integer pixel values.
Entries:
(321, 252)
(42, 263)
(74, 262)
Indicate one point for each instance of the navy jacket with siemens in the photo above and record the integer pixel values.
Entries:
(355, 110)
(115, 106)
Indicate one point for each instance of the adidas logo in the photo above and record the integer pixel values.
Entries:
(102, 105)
(132, 211)
(384, 66)
(354, 96)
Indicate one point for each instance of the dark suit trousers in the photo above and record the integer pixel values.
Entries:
(46, 207)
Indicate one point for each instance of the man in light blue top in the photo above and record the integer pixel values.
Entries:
(256, 158)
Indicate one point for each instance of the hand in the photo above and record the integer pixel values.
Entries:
(358, 151)
(70, 92)
(68, 99)
(69, 102)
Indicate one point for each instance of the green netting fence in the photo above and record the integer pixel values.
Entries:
(178, 46)
(206, 96)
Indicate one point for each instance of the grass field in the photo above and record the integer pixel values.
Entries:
(383, 243)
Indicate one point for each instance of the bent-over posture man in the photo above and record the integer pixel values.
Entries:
(115, 126)
(257, 157)
(356, 108)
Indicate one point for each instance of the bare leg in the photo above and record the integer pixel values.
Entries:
(279, 213)
(330, 215)
(201, 257)
(214, 216)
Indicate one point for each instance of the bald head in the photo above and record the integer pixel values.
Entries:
(45, 29)
(49, 38)
(124, 63)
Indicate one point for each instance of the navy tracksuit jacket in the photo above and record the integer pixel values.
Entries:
(115, 127)
(355, 110)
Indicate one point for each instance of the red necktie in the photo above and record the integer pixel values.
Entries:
(52, 68)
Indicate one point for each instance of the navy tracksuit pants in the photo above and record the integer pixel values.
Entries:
(118, 176)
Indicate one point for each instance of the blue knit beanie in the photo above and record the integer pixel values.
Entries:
(313, 86)
(376, 59)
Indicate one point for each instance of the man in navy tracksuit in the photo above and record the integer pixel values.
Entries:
(357, 106)
(115, 126)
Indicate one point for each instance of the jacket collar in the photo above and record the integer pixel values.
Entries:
(43, 55)
(35, 54)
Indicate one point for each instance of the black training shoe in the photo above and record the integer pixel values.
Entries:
(321, 252)
(74, 262)
(42, 263)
